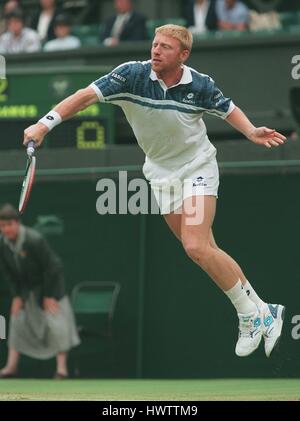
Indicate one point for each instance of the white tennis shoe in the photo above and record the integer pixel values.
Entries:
(272, 315)
(250, 333)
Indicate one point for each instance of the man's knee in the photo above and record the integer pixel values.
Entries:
(197, 252)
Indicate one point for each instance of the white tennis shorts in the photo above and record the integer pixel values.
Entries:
(171, 191)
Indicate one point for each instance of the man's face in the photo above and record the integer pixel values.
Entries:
(15, 26)
(47, 4)
(123, 6)
(167, 53)
(230, 3)
(10, 229)
(61, 31)
(10, 6)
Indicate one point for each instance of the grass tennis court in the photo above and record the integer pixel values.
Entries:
(177, 390)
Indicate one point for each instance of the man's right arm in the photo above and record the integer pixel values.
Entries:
(67, 108)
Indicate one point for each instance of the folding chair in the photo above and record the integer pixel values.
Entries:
(94, 305)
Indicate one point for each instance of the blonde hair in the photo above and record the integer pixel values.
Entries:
(179, 32)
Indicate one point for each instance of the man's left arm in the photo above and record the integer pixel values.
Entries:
(259, 135)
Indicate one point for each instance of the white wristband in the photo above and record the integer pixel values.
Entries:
(51, 119)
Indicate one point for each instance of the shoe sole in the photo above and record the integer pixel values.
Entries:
(247, 355)
(279, 336)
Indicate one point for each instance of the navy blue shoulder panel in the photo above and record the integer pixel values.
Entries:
(123, 78)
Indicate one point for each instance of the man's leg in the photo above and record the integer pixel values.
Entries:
(11, 366)
(272, 314)
(199, 244)
(174, 222)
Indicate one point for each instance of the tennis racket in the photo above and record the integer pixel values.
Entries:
(28, 177)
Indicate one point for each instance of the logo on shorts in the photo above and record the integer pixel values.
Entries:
(199, 182)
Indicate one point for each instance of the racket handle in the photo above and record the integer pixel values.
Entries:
(30, 147)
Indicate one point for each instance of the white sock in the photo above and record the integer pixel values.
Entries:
(239, 298)
(252, 295)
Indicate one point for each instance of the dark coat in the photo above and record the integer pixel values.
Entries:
(211, 18)
(133, 30)
(50, 33)
(39, 268)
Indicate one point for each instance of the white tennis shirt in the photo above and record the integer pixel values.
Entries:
(167, 121)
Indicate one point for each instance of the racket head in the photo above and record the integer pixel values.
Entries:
(27, 183)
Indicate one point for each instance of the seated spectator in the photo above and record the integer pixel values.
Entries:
(18, 38)
(63, 40)
(8, 7)
(264, 21)
(200, 15)
(43, 21)
(85, 12)
(126, 25)
(232, 15)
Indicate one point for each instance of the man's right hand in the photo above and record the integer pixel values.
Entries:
(36, 132)
(16, 306)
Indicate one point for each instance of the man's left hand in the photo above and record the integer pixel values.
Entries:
(266, 137)
(51, 305)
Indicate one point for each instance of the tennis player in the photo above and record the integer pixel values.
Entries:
(164, 102)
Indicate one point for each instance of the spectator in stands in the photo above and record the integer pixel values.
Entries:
(232, 15)
(63, 40)
(42, 323)
(200, 15)
(126, 25)
(8, 7)
(85, 12)
(18, 38)
(43, 21)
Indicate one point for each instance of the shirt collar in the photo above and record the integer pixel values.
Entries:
(124, 15)
(17, 246)
(185, 78)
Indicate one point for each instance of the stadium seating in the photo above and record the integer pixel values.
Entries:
(288, 18)
(89, 35)
(151, 24)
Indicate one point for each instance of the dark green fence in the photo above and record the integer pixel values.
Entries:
(171, 320)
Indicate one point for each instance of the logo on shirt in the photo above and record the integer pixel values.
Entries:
(218, 95)
(218, 98)
(199, 181)
(116, 82)
(119, 77)
(190, 98)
